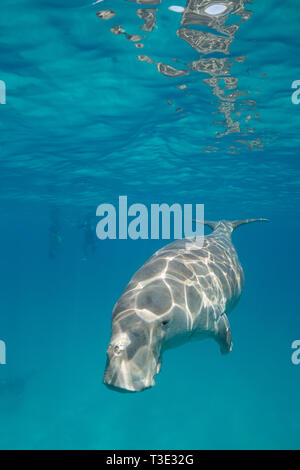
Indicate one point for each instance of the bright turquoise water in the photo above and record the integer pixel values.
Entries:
(85, 122)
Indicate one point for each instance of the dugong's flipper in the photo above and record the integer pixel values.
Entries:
(223, 334)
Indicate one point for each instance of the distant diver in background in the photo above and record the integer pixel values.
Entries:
(55, 238)
(89, 237)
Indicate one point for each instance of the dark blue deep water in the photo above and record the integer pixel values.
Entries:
(85, 122)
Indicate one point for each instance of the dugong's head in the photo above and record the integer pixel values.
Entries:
(142, 324)
(133, 354)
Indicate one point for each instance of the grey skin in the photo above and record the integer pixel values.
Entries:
(183, 292)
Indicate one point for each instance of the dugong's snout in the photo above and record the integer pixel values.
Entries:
(132, 362)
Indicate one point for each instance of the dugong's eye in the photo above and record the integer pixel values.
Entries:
(165, 322)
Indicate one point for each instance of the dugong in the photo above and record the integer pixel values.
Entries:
(184, 292)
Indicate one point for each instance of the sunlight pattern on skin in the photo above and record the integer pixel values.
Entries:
(183, 292)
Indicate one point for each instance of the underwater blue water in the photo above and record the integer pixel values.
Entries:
(85, 122)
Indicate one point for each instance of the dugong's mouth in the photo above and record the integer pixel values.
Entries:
(122, 380)
(119, 389)
(116, 388)
(129, 384)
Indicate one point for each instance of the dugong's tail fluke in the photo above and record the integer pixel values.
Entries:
(236, 223)
(230, 225)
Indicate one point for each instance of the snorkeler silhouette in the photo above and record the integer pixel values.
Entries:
(55, 238)
(89, 237)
